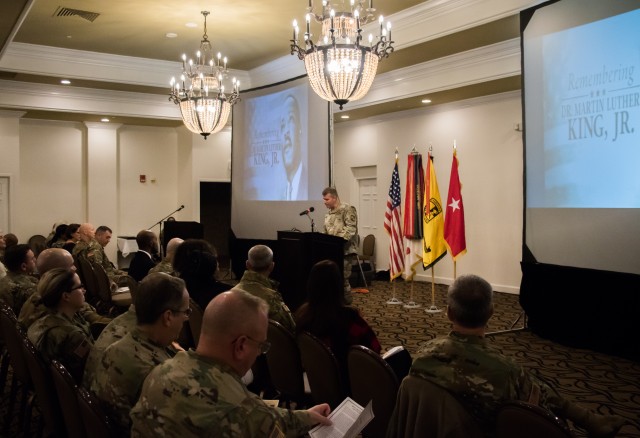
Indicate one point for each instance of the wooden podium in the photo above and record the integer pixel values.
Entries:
(295, 254)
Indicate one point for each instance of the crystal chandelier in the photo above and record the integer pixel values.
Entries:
(204, 106)
(340, 67)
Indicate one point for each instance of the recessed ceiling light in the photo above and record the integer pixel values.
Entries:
(171, 35)
(69, 36)
(65, 81)
(344, 117)
(426, 100)
(104, 119)
(191, 24)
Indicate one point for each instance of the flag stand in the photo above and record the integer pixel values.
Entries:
(411, 304)
(433, 308)
(393, 300)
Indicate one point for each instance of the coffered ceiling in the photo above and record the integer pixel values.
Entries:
(252, 34)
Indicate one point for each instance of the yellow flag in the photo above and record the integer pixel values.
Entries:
(433, 219)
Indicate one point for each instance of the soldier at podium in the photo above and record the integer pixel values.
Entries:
(342, 221)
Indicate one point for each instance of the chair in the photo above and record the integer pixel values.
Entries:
(371, 378)
(12, 334)
(46, 397)
(425, 410)
(524, 420)
(367, 256)
(285, 366)
(67, 395)
(96, 423)
(37, 243)
(85, 270)
(322, 370)
(195, 321)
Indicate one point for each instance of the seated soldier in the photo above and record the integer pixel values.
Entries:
(166, 265)
(19, 283)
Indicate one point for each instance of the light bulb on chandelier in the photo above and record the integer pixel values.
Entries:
(339, 66)
(204, 106)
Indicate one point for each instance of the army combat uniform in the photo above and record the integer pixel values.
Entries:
(193, 396)
(56, 336)
(164, 266)
(121, 372)
(343, 222)
(94, 252)
(480, 377)
(260, 286)
(16, 288)
(114, 331)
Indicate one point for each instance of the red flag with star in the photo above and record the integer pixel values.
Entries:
(454, 216)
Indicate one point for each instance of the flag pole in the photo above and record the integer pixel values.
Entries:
(393, 300)
(454, 269)
(433, 308)
(411, 304)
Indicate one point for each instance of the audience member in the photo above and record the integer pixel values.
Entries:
(143, 260)
(71, 237)
(18, 285)
(196, 263)
(56, 233)
(342, 221)
(89, 248)
(255, 280)
(162, 306)
(326, 315)
(62, 334)
(199, 393)
(480, 377)
(3, 246)
(33, 309)
(103, 235)
(166, 265)
(10, 240)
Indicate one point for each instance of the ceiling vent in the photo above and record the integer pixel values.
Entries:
(68, 12)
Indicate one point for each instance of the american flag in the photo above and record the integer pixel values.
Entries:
(393, 225)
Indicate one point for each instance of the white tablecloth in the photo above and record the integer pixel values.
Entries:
(127, 245)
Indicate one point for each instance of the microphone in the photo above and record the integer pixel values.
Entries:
(181, 207)
(307, 211)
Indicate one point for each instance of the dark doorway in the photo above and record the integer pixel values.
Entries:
(215, 217)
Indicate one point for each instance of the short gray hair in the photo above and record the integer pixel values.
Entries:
(260, 257)
(470, 300)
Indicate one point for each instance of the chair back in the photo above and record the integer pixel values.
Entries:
(372, 379)
(96, 423)
(425, 410)
(524, 420)
(13, 335)
(103, 282)
(195, 321)
(37, 243)
(285, 366)
(322, 370)
(68, 396)
(88, 277)
(46, 397)
(368, 247)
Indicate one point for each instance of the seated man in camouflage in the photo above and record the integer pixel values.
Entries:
(480, 377)
(162, 307)
(89, 248)
(255, 280)
(199, 393)
(19, 283)
(166, 265)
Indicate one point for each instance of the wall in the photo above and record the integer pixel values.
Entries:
(490, 154)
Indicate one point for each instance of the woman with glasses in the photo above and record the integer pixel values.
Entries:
(63, 333)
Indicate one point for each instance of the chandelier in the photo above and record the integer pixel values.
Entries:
(204, 106)
(340, 67)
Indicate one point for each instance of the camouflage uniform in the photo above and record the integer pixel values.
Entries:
(164, 266)
(3, 270)
(114, 331)
(261, 287)
(193, 396)
(66, 339)
(32, 311)
(94, 252)
(480, 377)
(16, 288)
(122, 371)
(343, 222)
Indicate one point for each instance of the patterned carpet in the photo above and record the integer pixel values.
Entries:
(602, 383)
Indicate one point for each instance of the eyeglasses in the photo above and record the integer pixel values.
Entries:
(262, 346)
(187, 311)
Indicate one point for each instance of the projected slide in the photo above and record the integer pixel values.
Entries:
(276, 161)
(590, 116)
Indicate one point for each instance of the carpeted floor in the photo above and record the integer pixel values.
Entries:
(602, 383)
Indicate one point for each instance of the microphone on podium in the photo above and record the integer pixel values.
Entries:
(307, 211)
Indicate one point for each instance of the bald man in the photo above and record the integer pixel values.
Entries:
(166, 265)
(199, 393)
(32, 310)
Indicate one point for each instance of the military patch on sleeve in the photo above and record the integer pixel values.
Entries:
(276, 432)
(82, 350)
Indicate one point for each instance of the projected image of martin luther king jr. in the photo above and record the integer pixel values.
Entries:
(292, 157)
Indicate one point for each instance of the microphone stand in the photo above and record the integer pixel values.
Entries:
(313, 225)
(160, 224)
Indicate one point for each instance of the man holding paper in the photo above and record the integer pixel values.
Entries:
(199, 393)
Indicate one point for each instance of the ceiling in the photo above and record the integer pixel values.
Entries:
(251, 33)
